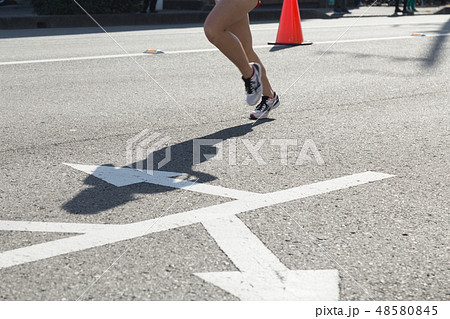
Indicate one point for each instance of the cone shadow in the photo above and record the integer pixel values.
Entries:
(278, 47)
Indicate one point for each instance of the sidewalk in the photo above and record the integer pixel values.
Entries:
(385, 11)
(21, 16)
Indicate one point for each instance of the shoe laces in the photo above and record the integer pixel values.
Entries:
(248, 85)
(263, 106)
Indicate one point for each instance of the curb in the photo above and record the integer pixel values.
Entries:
(162, 18)
(445, 10)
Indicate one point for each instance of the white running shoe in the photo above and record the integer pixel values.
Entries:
(253, 85)
(267, 104)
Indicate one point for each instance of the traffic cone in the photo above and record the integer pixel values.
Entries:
(290, 29)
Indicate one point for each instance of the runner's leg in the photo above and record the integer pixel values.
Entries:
(222, 16)
(241, 29)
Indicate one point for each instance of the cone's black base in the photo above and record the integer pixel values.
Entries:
(292, 44)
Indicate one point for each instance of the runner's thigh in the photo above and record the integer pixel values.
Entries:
(228, 12)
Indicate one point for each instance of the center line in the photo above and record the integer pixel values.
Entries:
(99, 57)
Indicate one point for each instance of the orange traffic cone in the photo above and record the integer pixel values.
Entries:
(290, 29)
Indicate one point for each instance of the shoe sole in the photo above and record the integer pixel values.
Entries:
(265, 114)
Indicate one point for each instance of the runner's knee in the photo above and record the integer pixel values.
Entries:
(212, 33)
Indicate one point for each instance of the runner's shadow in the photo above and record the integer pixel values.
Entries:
(103, 196)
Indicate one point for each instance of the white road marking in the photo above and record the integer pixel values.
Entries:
(100, 57)
(95, 57)
(13, 225)
(242, 246)
(122, 176)
(267, 279)
(382, 39)
(262, 276)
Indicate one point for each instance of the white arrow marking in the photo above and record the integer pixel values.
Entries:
(123, 176)
(267, 279)
(262, 276)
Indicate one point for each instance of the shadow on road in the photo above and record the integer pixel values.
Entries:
(277, 47)
(433, 57)
(103, 196)
(359, 55)
(436, 50)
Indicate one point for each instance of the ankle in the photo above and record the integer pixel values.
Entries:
(249, 73)
(270, 94)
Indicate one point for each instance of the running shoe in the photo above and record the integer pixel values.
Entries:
(253, 85)
(266, 105)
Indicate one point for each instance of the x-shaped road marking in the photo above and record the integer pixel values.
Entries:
(261, 275)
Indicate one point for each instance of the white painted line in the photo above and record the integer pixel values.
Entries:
(327, 186)
(260, 201)
(360, 24)
(47, 227)
(123, 176)
(95, 57)
(118, 233)
(246, 251)
(205, 50)
(294, 285)
(382, 39)
(192, 51)
(262, 276)
(57, 247)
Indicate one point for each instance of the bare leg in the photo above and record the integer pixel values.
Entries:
(221, 17)
(242, 30)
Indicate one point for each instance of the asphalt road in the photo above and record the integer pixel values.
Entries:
(368, 94)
